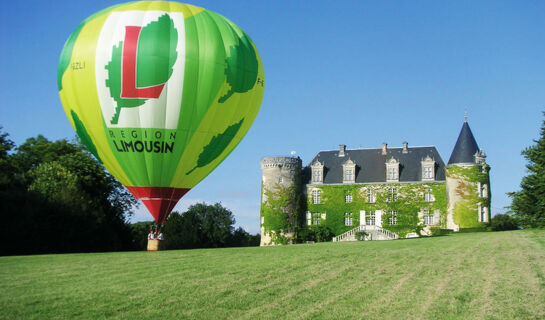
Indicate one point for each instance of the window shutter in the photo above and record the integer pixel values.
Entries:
(436, 216)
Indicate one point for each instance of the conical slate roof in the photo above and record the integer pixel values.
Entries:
(465, 148)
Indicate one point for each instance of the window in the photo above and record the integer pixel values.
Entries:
(349, 171)
(428, 173)
(392, 170)
(392, 173)
(317, 172)
(316, 176)
(428, 217)
(392, 219)
(316, 219)
(370, 219)
(280, 179)
(370, 196)
(348, 218)
(392, 195)
(316, 195)
(348, 198)
(483, 214)
(428, 195)
(428, 168)
(482, 189)
(348, 175)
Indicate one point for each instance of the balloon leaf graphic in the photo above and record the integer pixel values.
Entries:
(241, 67)
(84, 136)
(155, 58)
(217, 145)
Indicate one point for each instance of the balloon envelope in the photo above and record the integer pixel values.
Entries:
(160, 93)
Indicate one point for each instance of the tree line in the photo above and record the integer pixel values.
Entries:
(55, 197)
(528, 204)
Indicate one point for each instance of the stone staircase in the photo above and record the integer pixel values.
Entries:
(373, 233)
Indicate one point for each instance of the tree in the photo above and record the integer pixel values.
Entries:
(241, 238)
(217, 224)
(205, 226)
(60, 199)
(528, 204)
(38, 150)
(201, 226)
(182, 231)
(6, 169)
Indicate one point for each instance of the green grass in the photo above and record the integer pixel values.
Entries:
(498, 275)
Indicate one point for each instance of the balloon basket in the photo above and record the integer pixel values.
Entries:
(154, 245)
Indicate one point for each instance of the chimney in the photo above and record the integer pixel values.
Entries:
(342, 149)
(405, 147)
(384, 148)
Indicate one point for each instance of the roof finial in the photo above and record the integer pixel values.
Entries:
(465, 116)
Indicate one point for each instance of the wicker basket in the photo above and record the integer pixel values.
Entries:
(154, 245)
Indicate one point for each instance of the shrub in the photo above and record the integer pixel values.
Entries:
(435, 231)
(315, 233)
(360, 235)
(501, 222)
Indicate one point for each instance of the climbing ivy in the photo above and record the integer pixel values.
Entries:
(283, 211)
(410, 201)
(466, 214)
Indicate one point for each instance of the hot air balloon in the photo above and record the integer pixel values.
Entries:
(160, 93)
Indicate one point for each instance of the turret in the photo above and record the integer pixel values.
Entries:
(468, 184)
(279, 187)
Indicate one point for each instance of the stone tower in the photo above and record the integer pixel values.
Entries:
(280, 177)
(468, 184)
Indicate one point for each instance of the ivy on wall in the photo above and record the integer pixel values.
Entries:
(278, 213)
(409, 202)
(283, 211)
(466, 213)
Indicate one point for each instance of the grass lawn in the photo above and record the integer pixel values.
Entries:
(498, 275)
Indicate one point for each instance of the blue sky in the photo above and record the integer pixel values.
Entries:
(337, 72)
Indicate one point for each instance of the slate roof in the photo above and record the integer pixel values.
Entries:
(465, 148)
(371, 164)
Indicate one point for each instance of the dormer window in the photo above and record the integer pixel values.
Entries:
(316, 176)
(428, 169)
(392, 170)
(317, 172)
(349, 171)
(480, 157)
(348, 175)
